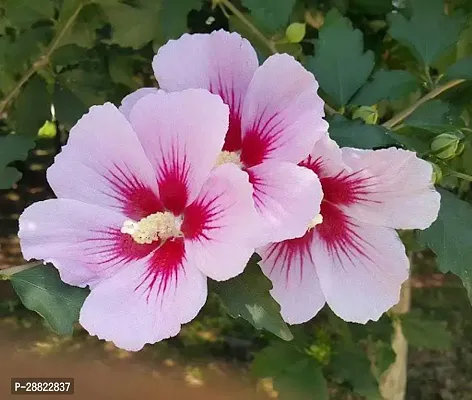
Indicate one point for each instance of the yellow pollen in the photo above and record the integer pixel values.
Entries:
(154, 227)
(226, 157)
(315, 221)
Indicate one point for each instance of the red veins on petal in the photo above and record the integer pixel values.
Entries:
(138, 200)
(291, 251)
(201, 217)
(163, 268)
(173, 182)
(233, 136)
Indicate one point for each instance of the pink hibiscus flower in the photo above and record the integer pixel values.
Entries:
(351, 256)
(142, 215)
(276, 116)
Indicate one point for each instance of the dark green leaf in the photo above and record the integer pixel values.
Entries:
(372, 7)
(23, 13)
(351, 364)
(248, 296)
(435, 116)
(424, 332)
(450, 237)
(428, 33)
(462, 69)
(69, 54)
(340, 64)
(133, 27)
(121, 69)
(173, 18)
(12, 148)
(355, 133)
(386, 85)
(383, 357)
(270, 14)
(295, 374)
(32, 108)
(41, 289)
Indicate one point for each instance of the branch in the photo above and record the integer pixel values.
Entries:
(6, 273)
(431, 95)
(41, 62)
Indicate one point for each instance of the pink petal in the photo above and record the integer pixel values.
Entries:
(287, 197)
(147, 301)
(282, 113)
(221, 226)
(129, 101)
(399, 192)
(182, 134)
(360, 266)
(82, 240)
(291, 268)
(104, 163)
(221, 62)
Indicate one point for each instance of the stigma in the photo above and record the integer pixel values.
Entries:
(226, 157)
(315, 221)
(154, 227)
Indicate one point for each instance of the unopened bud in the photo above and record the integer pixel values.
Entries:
(48, 130)
(445, 146)
(437, 173)
(295, 32)
(369, 115)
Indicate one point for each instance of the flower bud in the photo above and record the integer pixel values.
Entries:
(369, 115)
(295, 32)
(48, 130)
(437, 173)
(445, 146)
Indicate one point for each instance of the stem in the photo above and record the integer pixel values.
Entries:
(6, 273)
(270, 45)
(41, 62)
(431, 95)
(460, 175)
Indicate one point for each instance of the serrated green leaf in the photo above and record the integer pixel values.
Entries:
(429, 32)
(270, 14)
(23, 13)
(173, 18)
(462, 69)
(355, 133)
(425, 332)
(12, 148)
(434, 116)
(450, 237)
(247, 296)
(386, 85)
(352, 365)
(41, 289)
(70, 54)
(32, 107)
(340, 64)
(295, 374)
(132, 26)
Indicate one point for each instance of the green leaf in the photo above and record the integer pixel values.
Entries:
(12, 148)
(355, 133)
(295, 374)
(435, 116)
(462, 69)
(424, 332)
(32, 108)
(383, 357)
(270, 14)
(173, 18)
(428, 33)
(352, 365)
(121, 70)
(386, 85)
(340, 64)
(41, 289)
(450, 237)
(133, 27)
(23, 13)
(247, 296)
(372, 7)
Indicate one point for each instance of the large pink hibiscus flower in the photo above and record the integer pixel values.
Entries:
(142, 216)
(351, 256)
(276, 116)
